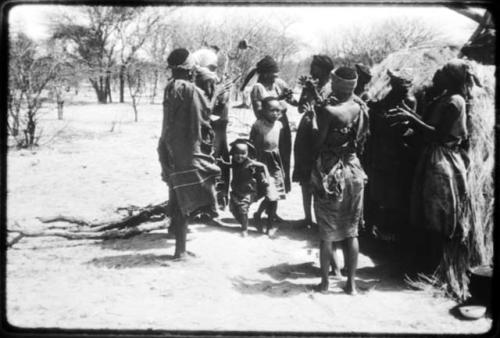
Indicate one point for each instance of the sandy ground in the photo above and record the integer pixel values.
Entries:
(256, 283)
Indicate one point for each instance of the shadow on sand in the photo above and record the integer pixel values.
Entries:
(147, 241)
(270, 288)
(292, 271)
(285, 288)
(132, 261)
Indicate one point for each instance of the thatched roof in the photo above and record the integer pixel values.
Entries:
(421, 64)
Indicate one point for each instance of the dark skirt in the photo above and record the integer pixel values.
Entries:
(285, 147)
(439, 192)
(339, 216)
(273, 161)
(303, 155)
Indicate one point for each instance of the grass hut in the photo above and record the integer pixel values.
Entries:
(422, 63)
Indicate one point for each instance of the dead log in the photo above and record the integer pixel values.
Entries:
(145, 215)
(150, 213)
(61, 218)
(84, 235)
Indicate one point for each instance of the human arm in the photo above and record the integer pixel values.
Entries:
(449, 113)
(261, 172)
(320, 130)
(286, 93)
(253, 135)
(256, 96)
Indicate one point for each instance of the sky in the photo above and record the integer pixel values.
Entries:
(311, 23)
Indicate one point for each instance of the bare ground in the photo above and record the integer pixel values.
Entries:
(233, 283)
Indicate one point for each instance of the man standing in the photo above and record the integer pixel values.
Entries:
(185, 148)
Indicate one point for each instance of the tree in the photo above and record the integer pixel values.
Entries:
(263, 38)
(132, 35)
(157, 49)
(68, 77)
(92, 44)
(371, 46)
(30, 74)
(136, 83)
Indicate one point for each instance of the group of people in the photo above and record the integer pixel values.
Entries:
(328, 150)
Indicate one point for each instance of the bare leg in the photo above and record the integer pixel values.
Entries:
(325, 254)
(244, 224)
(258, 213)
(272, 206)
(352, 250)
(180, 222)
(260, 210)
(179, 226)
(306, 203)
(334, 260)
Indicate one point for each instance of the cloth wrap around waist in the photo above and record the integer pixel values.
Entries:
(186, 146)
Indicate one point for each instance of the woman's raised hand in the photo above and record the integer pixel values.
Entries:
(400, 115)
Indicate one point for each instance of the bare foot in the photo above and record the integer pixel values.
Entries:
(321, 287)
(184, 256)
(350, 289)
(272, 232)
(278, 219)
(244, 233)
(336, 273)
(258, 222)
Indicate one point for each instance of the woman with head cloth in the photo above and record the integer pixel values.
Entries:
(321, 66)
(185, 148)
(207, 62)
(337, 178)
(269, 85)
(439, 192)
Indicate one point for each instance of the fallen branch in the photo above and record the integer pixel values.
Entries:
(83, 235)
(115, 229)
(144, 215)
(61, 218)
(150, 213)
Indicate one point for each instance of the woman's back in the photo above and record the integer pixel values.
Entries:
(340, 121)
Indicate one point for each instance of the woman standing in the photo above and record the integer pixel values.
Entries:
(185, 148)
(321, 66)
(439, 192)
(337, 178)
(269, 85)
(207, 80)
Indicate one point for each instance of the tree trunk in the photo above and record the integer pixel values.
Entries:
(134, 105)
(122, 83)
(155, 86)
(108, 86)
(14, 126)
(99, 90)
(60, 105)
(30, 129)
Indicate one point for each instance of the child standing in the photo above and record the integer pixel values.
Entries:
(249, 179)
(265, 136)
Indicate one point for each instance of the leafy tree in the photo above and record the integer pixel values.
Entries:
(132, 35)
(91, 42)
(30, 74)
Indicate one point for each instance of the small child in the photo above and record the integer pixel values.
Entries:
(249, 181)
(265, 136)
